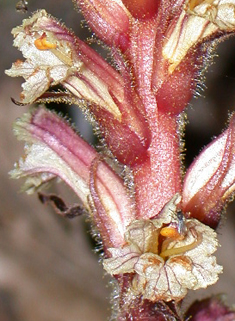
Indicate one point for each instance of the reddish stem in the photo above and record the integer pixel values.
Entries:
(159, 177)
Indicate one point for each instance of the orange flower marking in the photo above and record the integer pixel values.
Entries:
(182, 249)
(42, 43)
(184, 261)
(170, 232)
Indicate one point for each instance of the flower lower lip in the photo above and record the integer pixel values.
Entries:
(166, 266)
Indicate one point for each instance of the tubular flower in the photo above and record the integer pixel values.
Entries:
(54, 55)
(54, 150)
(166, 257)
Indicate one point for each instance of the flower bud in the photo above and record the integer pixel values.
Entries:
(210, 180)
(108, 19)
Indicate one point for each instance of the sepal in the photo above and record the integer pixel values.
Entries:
(210, 309)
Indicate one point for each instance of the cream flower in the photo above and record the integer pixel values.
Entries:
(199, 20)
(55, 56)
(54, 150)
(168, 255)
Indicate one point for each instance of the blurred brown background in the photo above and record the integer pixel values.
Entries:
(48, 269)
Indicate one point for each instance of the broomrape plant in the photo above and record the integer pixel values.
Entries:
(157, 224)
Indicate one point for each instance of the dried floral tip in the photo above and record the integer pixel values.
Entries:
(166, 265)
(21, 6)
(60, 207)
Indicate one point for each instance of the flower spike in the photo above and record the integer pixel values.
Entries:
(156, 226)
